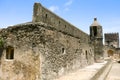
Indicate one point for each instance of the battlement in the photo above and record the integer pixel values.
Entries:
(41, 14)
(112, 39)
(111, 36)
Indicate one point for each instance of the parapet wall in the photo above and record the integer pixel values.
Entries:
(40, 13)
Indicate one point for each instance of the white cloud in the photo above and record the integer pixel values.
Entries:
(69, 3)
(53, 8)
(66, 9)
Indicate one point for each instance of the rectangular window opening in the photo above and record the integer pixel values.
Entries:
(59, 22)
(63, 51)
(86, 54)
(9, 53)
(46, 15)
(95, 30)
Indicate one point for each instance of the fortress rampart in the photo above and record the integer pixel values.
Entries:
(44, 49)
(40, 13)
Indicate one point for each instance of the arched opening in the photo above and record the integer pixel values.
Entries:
(110, 53)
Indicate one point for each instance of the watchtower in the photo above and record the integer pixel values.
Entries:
(96, 37)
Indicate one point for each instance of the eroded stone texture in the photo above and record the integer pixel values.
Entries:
(96, 36)
(44, 49)
(42, 53)
(112, 39)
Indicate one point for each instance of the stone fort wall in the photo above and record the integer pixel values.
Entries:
(112, 39)
(40, 13)
(42, 51)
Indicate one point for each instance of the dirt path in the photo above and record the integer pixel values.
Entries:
(114, 73)
(83, 74)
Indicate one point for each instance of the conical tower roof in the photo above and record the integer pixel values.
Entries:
(95, 23)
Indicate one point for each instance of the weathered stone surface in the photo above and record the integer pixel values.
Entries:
(40, 13)
(48, 47)
(42, 52)
(112, 39)
(96, 36)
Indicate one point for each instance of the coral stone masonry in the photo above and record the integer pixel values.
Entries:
(47, 48)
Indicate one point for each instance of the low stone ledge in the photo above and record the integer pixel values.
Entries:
(98, 74)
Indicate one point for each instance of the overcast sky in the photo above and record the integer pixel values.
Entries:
(78, 12)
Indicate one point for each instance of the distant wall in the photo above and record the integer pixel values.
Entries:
(40, 13)
(112, 39)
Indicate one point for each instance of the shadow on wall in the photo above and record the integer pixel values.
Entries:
(1, 47)
(1, 51)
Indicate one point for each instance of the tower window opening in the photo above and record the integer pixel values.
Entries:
(90, 31)
(95, 30)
